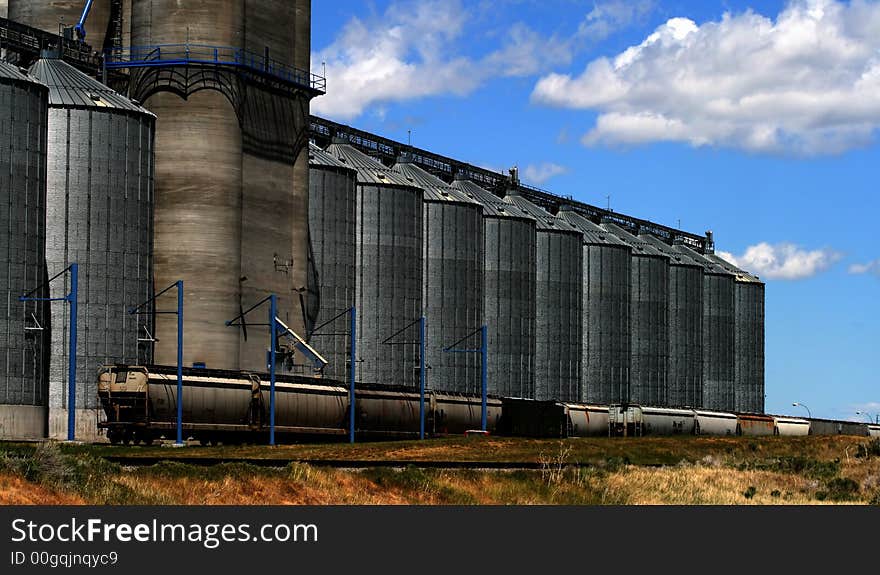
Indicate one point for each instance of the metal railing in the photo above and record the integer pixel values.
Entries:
(203, 54)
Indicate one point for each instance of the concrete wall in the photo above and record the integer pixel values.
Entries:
(22, 422)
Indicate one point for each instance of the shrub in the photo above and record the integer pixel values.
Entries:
(750, 492)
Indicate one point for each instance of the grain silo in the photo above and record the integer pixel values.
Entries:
(4, 8)
(749, 343)
(649, 323)
(685, 314)
(23, 345)
(452, 292)
(231, 173)
(389, 270)
(606, 312)
(509, 274)
(332, 220)
(558, 303)
(719, 334)
(99, 214)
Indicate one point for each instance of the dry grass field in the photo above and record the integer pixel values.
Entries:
(601, 471)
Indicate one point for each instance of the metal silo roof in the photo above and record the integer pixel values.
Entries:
(545, 220)
(742, 276)
(493, 206)
(593, 234)
(14, 73)
(639, 246)
(370, 171)
(676, 258)
(436, 190)
(321, 159)
(70, 88)
(710, 267)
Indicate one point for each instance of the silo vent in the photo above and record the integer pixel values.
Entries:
(94, 97)
(444, 193)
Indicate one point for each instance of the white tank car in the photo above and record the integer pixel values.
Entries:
(873, 430)
(714, 423)
(586, 420)
(791, 426)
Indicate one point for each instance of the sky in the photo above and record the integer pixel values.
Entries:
(757, 120)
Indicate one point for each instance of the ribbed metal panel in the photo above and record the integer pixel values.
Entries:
(332, 220)
(99, 215)
(23, 106)
(685, 314)
(649, 322)
(389, 270)
(509, 308)
(558, 304)
(749, 343)
(719, 333)
(606, 338)
(452, 291)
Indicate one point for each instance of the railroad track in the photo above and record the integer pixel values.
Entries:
(131, 461)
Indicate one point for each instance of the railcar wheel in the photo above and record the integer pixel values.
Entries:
(114, 438)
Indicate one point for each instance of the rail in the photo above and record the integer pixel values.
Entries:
(169, 55)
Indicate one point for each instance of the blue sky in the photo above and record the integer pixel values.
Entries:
(757, 120)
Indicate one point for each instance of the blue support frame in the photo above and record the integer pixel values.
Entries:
(137, 310)
(71, 299)
(422, 321)
(484, 369)
(273, 342)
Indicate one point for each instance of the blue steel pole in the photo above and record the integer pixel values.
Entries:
(484, 371)
(71, 360)
(180, 362)
(273, 310)
(351, 376)
(422, 377)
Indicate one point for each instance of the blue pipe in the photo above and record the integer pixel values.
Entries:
(351, 376)
(273, 310)
(71, 360)
(422, 377)
(80, 27)
(180, 362)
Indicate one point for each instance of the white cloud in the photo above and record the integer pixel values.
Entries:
(606, 18)
(540, 174)
(872, 267)
(411, 52)
(783, 261)
(806, 82)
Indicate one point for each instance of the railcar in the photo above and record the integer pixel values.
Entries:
(140, 405)
(791, 426)
(714, 423)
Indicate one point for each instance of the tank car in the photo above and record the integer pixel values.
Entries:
(790, 426)
(140, 405)
(714, 423)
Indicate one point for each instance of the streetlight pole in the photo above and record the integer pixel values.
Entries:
(796, 404)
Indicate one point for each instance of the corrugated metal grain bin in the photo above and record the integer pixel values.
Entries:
(23, 394)
(685, 314)
(99, 215)
(606, 340)
(453, 279)
(719, 333)
(388, 290)
(649, 322)
(332, 221)
(558, 304)
(509, 296)
(749, 342)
